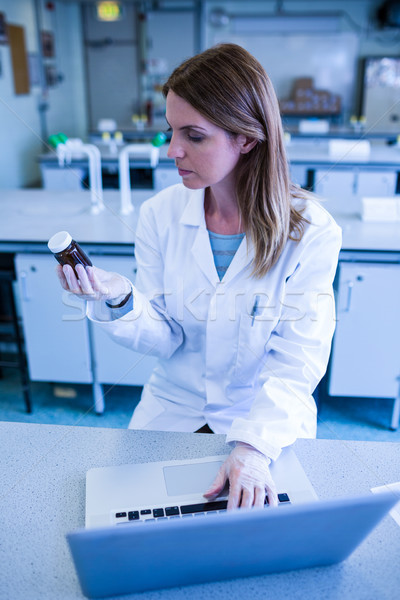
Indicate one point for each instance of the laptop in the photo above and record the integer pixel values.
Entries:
(148, 527)
(120, 494)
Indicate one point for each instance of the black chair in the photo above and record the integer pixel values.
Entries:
(10, 332)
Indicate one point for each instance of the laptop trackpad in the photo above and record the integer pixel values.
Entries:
(190, 479)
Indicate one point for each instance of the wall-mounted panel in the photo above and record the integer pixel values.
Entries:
(16, 37)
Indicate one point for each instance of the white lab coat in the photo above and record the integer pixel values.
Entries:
(247, 373)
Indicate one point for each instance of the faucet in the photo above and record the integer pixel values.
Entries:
(139, 150)
(66, 149)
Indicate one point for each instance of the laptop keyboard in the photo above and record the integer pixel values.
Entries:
(177, 512)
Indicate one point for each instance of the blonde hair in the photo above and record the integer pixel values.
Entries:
(230, 88)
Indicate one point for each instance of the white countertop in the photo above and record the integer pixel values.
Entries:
(35, 215)
(367, 236)
(316, 151)
(31, 217)
(43, 497)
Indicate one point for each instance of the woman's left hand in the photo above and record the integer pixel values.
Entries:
(249, 477)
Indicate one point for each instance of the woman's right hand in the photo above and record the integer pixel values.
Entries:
(94, 283)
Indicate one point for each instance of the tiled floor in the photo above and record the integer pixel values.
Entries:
(339, 418)
(356, 419)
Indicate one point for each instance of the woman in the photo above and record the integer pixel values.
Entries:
(234, 284)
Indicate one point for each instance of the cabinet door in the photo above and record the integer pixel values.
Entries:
(114, 363)
(298, 174)
(59, 178)
(165, 176)
(337, 185)
(376, 183)
(54, 323)
(365, 358)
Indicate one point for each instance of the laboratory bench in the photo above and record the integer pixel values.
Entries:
(63, 346)
(312, 166)
(75, 175)
(43, 498)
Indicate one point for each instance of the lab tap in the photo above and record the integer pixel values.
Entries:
(148, 151)
(68, 148)
(135, 150)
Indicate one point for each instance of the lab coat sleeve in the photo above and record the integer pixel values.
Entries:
(297, 353)
(147, 328)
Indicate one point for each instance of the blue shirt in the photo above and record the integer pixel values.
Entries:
(224, 248)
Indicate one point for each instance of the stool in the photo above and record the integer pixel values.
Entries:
(9, 316)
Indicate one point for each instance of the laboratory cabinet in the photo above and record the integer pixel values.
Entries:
(343, 185)
(55, 328)
(62, 344)
(76, 177)
(365, 357)
(165, 175)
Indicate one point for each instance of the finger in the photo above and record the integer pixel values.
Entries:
(84, 282)
(235, 492)
(259, 497)
(95, 282)
(61, 277)
(272, 495)
(247, 498)
(72, 281)
(218, 483)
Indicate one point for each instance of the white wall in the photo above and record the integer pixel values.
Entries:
(20, 136)
(332, 59)
(358, 16)
(19, 119)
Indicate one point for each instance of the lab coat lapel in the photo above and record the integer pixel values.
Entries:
(202, 254)
(193, 215)
(242, 259)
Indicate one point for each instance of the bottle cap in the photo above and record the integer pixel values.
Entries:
(59, 241)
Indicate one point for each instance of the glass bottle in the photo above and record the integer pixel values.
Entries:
(67, 251)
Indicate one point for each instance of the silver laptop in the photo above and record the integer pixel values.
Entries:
(159, 490)
(149, 527)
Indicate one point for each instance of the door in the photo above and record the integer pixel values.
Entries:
(54, 323)
(365, 359)
(112, 66)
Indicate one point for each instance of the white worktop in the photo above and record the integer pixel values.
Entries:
(33, 216)
(30, 217)
(364, 235)
(316, 151)
(43, 496)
